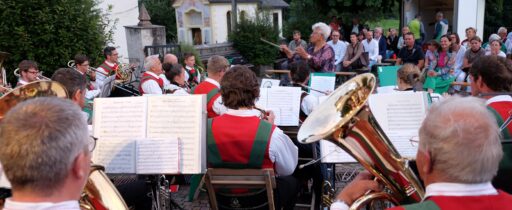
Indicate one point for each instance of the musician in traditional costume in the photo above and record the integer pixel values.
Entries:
(48, 162)
(108, 67)
(217, 66)
(29, 72)
(192, 71)
(241, 139)
(299, 72)
(175, 73)
(150, 82)
(490, 76)
(82, 66)
(458, 155)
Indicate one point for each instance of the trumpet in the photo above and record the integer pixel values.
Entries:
(40, 76)
(90, 71)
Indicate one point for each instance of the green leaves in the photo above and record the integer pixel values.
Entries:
(51, 32)
(246, 39)
(162, 13)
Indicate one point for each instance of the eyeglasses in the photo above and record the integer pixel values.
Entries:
(33, 72)
(92, 143)
(415, 140)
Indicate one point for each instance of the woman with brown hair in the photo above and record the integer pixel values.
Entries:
(440, 79)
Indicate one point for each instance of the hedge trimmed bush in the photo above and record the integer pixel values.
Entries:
(246, 39)
(52, 32)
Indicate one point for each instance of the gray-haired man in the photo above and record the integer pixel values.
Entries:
(48, 162)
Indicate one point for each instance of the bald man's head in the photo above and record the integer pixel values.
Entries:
(170, 58)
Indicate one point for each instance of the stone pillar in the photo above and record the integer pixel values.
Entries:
(141, 35)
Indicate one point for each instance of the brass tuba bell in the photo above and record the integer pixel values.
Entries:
(345, 120)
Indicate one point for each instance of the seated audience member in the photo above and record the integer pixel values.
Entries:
(493, 37)
(431, 55)
(502, 32)
(401, 40)
(508, 45)
(392, 42)
(490, 76)
(352, 59)
(235, 143)
(408, 78)
(28, 71)
(475, 51)
(411, 53)
(458, 155)
(320, 56)
(470, 33)
(339, 47)
(381, 40)
(217, 67)
(176, 76)
(371, 46)
(440, 79)
(150, 82)
(297, 41)
(495, 49)
(458, 51)
(48, 162)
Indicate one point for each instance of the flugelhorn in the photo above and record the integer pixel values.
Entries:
(346, 120)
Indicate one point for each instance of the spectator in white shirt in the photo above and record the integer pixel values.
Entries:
(46, 154)
(339, 47)
(372, 47)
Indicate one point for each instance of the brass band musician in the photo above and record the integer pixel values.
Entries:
(240, 133)
(82, 66)
(48, 162)
(150, 82)
(29, 72)
(175, 73)
(217, 67)
(108, 67)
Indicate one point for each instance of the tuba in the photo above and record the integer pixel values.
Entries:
(99, 193)
(345, 120)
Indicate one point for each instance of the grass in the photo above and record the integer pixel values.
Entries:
(385, 24)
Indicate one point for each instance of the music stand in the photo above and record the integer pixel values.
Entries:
(108, 83)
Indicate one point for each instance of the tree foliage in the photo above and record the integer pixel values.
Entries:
(246, 39)
(162, 13)
(52, 33)
(497, 14)
(304, 13)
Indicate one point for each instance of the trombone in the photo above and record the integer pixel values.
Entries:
(40, 76)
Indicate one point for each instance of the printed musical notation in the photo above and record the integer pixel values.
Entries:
(158, 156)
(284, 102)
(155, 118)
(118, 156)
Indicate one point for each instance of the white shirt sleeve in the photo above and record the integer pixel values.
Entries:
(339, 205)
(283, 153)
(218, 107)
(90, 94)
(309, 103)
(100, 77)
(375, 50)
(400, 43)
(151, 87)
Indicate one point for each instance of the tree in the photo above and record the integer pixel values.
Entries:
(304, 13)
(497, 14)
(162, 13)
(52, 33)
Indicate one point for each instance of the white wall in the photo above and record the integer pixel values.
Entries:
(219, 25)
(469, 13)
(126, 12)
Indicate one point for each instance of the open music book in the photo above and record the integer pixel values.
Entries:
(399, 114)
(131, 130)
(284, 102)
(321, 81)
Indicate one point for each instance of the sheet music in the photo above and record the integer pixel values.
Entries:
(183, 117)
(267, 83)
(334, 154)
(323, 82)
(400, 115)
(119, 118)
(158, 156)
(118, 156)
(284, 102)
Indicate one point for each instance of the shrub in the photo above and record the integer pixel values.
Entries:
(52, 33)
(162, 13)
(246, 39)
(188, 48)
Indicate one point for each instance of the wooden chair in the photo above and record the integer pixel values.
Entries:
(217, 179)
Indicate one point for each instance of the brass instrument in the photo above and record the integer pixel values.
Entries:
(124, 72)
(91, 71)
(99, 192)
(40, 76)
(346, 120)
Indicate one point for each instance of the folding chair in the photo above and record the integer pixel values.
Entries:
(220, 180)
